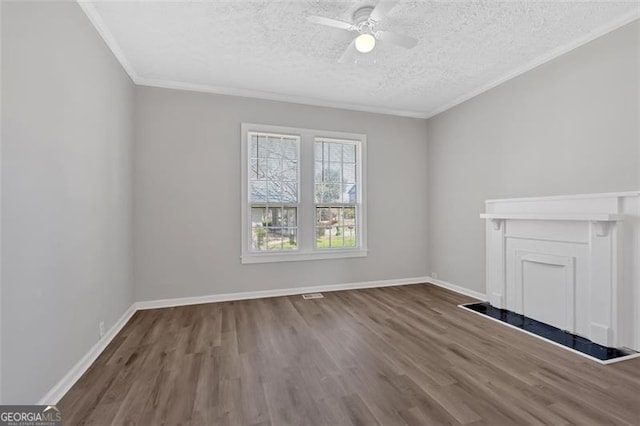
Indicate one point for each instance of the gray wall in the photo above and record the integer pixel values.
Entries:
(569, 126)
(187, 196)
(67, 109)
(69, 119)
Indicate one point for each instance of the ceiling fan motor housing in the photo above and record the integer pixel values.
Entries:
(362, 15)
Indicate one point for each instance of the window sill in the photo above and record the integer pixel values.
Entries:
(294, 257)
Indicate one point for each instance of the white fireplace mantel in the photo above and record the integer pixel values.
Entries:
(605, 217)
(570, 261)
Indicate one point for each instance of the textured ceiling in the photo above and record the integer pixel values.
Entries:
(267, 48)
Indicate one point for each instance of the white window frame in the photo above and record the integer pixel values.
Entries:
(306, 207)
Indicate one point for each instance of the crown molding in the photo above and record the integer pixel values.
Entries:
(94, 17)
(540, 60)
(111, 42)
(257, 94)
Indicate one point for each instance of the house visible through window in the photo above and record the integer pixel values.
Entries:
(336, 191)
(303, 194)
(273, 180)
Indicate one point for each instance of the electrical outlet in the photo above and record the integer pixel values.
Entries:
(434, 275)
(101, 328)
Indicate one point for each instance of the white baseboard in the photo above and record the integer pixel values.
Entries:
(56, 393)
(457, 289)
(62, 387)
(246, 295)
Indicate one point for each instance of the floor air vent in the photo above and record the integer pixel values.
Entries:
(309, 296)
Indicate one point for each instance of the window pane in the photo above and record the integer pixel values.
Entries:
(262, 169)
(277, 168)
(254, 146)
(349, 216)
(289, 150)
(257, 216)
(274, 147)
(274, 228)
(263, 146)
(274, 192)
(334, 173)
(349, 173)
(335, 152)
(318, 172)
(319, 193)
(348, 153)
(274, 239)
(350, 237)
(332, 193)
(259, 191)
(290, 217)
(335, 227)
(328, 193)
(336, 216)
(323, 216)
(289, 239)
(258, 238)
(337, 238)
(275, 216)
(254, 169)
(349, 193)
(336, 190)
(289, 192)
(274, 169)
(289, 170)
(323, 237)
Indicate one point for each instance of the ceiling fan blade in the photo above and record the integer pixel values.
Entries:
(397, 39)
(382, 9)
(349, 52)
(330, 22)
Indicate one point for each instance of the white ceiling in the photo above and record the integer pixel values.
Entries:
(267, 49)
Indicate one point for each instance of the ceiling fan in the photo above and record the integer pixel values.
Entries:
(365, 22)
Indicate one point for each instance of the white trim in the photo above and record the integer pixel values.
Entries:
(247, 295)
(575, 217)
(284, 256)
(269, 96)
(566, 197)
(305, 206)
(528, 237)
(458, 289)
(56, 393)
(607, 362)
(98, 23)
(94, 17)
(540, 60)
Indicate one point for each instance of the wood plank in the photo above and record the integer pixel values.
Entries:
(395, 355)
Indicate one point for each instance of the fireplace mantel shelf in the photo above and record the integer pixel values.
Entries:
(589, 217)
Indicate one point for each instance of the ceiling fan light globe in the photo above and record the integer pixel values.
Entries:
(365, 43)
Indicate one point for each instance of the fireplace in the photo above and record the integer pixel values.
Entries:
(572, 262)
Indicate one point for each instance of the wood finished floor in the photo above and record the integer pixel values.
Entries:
(393, 356)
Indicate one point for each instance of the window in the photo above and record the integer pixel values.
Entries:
(336, 192)
(273, 192)
(303, 194)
